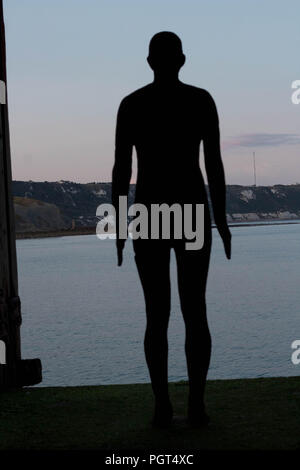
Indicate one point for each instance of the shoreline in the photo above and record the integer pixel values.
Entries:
(56, 233)
(92, 230)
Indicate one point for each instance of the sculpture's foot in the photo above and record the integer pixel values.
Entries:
(163, 414)
(197, 416)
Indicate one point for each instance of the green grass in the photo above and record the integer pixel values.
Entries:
(247, 414)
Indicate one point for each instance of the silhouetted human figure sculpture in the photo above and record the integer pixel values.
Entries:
(166, 121)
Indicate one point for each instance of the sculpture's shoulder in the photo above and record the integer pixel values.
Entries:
(197, 93)
(140, 98)
(136, 96)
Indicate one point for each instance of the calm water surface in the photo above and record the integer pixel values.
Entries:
(85, 319)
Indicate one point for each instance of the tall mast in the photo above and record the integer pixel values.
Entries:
(254, 169)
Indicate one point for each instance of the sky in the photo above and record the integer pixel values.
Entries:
(70, 62)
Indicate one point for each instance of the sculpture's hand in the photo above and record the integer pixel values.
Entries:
(120, 247)
(226, 238)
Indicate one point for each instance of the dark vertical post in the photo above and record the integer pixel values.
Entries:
(13, 371)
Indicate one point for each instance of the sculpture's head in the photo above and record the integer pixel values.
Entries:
(165, 53)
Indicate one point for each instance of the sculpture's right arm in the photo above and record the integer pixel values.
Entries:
(123, 154)
(122, 168)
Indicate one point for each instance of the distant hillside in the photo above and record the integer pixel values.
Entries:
(37, 216)
(78, 203)
(263, 202)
